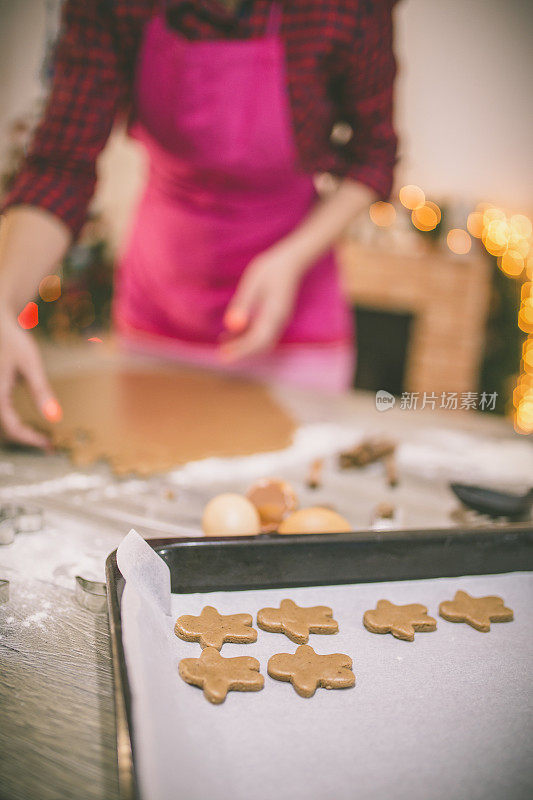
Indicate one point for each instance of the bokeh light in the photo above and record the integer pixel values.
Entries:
(525, 316)
(474, 224)
(426, 217)
(412, 196)
(29, 316)
(459, 241)
(382, 214)
(523, 420)
(526, 291)
(521, 244)
(527, 354)
(512, 264)
(522, 397)
(50, 288)
(521, 225)
(508, 237)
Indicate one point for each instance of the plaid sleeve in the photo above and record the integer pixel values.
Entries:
(366, 97)
(59, 172)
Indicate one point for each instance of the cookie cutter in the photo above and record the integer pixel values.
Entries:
(7, 530)
(91, 595)
(19, 519)
(29, 519)
(4, 590)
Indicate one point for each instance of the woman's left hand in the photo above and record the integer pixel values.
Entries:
(263, 303)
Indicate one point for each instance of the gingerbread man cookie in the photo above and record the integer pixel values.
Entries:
(297, 622)
(217, 675)
(401, 621)
(212, 629)
(478, 612)
(307, 670)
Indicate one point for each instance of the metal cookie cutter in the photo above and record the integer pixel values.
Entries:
(91, 595)
(19, 519)
(4, 590)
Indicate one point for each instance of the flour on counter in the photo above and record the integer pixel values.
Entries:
(456, 456)
(36, 619)
(70, 482)
(310, 442)
(58, 553)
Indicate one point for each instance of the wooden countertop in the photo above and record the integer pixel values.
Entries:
(57, 735)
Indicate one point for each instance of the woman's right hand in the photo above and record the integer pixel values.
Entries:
(20, 358)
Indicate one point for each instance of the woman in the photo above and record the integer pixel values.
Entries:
(229, 262)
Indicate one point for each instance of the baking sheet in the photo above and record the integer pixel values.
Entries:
(448, 716)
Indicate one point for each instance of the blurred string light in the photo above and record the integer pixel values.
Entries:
(426, 216)
(29, 316)
(508, 238)
(50, 288)
(382, 214)
(412, 196)
(459, 241)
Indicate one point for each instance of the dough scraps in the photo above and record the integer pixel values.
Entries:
(150, 420)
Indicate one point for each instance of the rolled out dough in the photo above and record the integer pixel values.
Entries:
(150, 420)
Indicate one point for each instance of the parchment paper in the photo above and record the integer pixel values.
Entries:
(448, 716)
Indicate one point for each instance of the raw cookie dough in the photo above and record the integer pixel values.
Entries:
(297, 622)
(154, 419)
(212, 629)
(401, 621)
(307, 670)
(478, 612)
(217, 675)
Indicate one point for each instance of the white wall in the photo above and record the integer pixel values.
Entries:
(22, 32)
(464, 99)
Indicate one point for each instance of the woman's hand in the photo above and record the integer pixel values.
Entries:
(263, 303)
(32, 242)
(265, 297)
(19, 357)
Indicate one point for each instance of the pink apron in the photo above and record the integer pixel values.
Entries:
(223, 186)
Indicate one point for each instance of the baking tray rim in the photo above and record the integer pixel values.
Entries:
(128, 785)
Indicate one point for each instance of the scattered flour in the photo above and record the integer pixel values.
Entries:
(70, 482)
(72, 545)
(37, 619)
(456, 456)
(58, 553)
(310, 441)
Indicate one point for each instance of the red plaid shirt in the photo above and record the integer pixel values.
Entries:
(340, 68)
